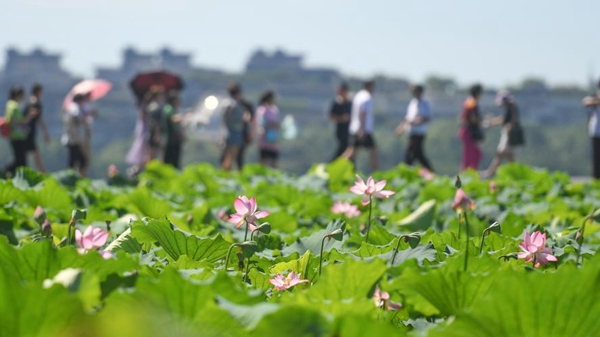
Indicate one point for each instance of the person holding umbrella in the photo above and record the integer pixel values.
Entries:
(89, 91)
(149, 89)
(90, 113)
(139, 153)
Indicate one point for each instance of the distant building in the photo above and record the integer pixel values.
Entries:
(278, 61)
(135, 62)
(38, 66)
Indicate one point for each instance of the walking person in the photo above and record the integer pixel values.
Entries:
(470, 132)
(247, 131)
(362, 120)
(139, 153)
(173, 132)
(19, 129)
(267, 115)
(416, 123)
(75, 132)
(340, 115)
(234, 118)
(34, 107)
(511, 136)
(153, 111)
(90, 113)
(593, 104)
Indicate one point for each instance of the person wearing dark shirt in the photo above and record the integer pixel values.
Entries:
(247, 129)
(592, 103)
(470, 132)
(340, 115)
(34, 108)
(247, 132)
(172, 130)
(512, 134)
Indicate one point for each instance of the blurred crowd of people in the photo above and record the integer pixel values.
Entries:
(355, 127)
(244, 124)
(159, 130)
(20, 126)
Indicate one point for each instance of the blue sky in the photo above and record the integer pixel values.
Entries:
(497, 42)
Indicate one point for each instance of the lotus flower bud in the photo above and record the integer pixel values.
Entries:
(46, 228)
(39, 215)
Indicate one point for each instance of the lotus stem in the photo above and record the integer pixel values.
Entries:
(467, 234)
(246, 232)
(459, 226)
(70, 231)
(229, 253)
(369, 223)
(247, 269)
(579, 260)
(482, 242)
(396, 249)
(321, 254)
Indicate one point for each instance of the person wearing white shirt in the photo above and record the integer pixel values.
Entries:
(593, 104)
(416, 123)
(362, 120)
(74, 135)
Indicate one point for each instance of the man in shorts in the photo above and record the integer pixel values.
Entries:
(340, 115)
(362, 121)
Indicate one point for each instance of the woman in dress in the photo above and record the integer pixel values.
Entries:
(470, 132)
(268, 116)
(139, 153)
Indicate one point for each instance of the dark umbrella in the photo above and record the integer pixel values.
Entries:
(163, 79)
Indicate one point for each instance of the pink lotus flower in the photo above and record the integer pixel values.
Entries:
(246, 212)
(426, 174)
(382, 299)
(462, 203)
(345, 208)
(285, 282)
(534, 249)
(112, 171)
(221, 214)
(493, 187)
(370, 189)
(91, 238)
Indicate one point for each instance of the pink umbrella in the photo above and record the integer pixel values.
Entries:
(96, 88)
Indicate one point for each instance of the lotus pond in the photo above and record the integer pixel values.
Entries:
(204, 252)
